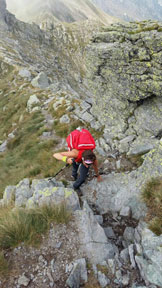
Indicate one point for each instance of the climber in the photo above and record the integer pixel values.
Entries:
(80, 154)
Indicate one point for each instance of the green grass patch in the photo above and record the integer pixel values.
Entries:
(152, 196)
(3, 265)
(27, 225)
(59, 111)
(63, 129)
(27, 155)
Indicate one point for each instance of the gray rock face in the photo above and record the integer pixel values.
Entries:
(78, 274)
(3, 9)
(22, 193)
(115, 192)
(121, 190)
(41, 192)
(93, 240)
(3, 5)
(46, 193)
(121, 63)
(125, 212)
(5, 17)
(140, 149)
(150, 262)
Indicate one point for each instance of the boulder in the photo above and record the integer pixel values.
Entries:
(22, 193)
(45, 192)
(65, 119)
(3, 146)
(25, 73)
(23, 280)
(33, 103)
(41, 81)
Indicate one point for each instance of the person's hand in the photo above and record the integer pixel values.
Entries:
(99, 178)
(70, 160)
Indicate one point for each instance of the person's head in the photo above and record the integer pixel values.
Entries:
(88, 157)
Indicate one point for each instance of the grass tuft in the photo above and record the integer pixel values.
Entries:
(152, 196)
(3, 265)
(27, 225)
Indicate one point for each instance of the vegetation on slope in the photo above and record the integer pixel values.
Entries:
(27, 155)
(27, 226)
(152, 195)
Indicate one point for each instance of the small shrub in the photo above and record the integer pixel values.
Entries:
(152, 196)
(155, 225)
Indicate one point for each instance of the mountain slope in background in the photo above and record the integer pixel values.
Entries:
(62, 10)
(132, 10)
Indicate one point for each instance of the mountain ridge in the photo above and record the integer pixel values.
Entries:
(58, 10)
(132, 10)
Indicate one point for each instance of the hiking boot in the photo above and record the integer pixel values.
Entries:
(79, 191)
(73, 178)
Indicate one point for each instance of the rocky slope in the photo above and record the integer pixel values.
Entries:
(128, 10)
(111, 83)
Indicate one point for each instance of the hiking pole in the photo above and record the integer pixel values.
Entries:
(50, 178)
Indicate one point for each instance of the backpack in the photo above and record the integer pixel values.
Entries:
(80, 140)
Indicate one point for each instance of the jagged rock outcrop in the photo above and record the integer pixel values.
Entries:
(3, 8)
(3, 13)
(93, 240)
(124, 72)
(41, 192)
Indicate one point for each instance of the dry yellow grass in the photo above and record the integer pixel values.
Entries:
(152, 195)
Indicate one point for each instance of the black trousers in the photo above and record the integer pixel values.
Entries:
(83, 172)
